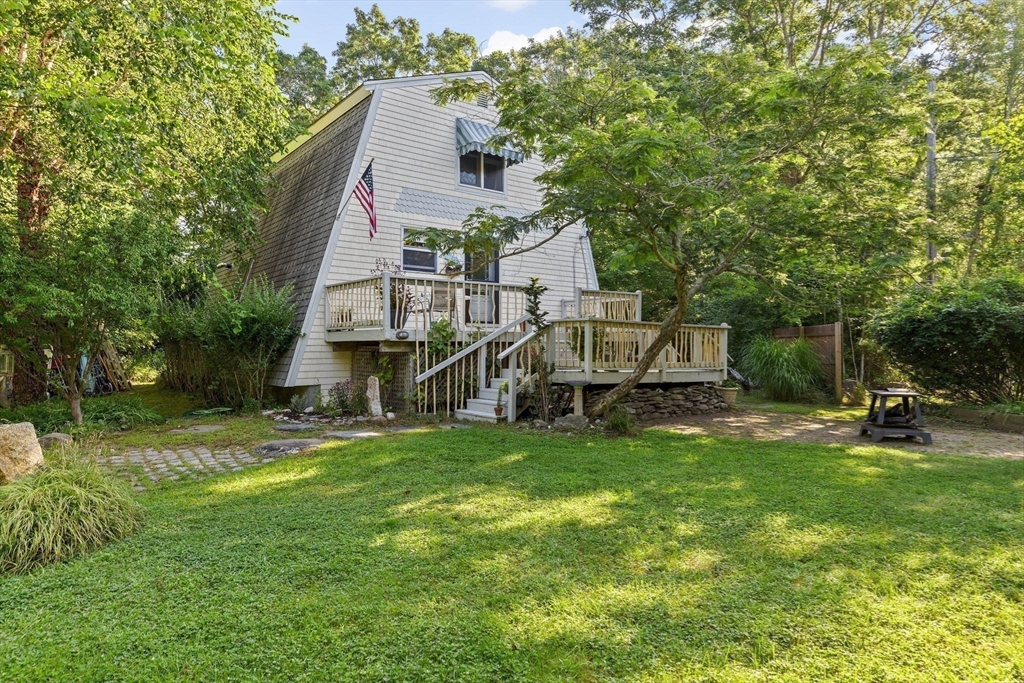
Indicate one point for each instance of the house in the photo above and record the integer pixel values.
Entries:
(370, 304)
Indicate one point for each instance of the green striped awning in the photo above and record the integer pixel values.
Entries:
(471, 136)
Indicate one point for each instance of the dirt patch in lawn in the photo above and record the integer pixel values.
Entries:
(949, 438)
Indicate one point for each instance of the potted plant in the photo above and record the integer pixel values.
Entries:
(452, 265)
(728, 390)
(498, 407)
(401, 295)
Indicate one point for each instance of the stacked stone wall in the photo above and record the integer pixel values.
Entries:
(655, 403)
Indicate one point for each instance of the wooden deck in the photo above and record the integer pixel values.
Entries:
(489, 338)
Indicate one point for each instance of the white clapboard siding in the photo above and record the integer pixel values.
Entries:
(412, 142)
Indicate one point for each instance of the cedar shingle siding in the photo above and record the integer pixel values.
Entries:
(305, 198)
(304, 203)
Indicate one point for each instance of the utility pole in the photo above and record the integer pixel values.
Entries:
(929, 177)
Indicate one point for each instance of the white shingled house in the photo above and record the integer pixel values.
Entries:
(370, 305)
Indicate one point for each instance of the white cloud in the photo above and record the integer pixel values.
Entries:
(504, 41)
(511, 5)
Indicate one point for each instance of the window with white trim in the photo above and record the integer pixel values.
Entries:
(416, 256)
(482, 170)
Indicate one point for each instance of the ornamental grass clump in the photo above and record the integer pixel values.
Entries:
(784, 371)
(65, 509)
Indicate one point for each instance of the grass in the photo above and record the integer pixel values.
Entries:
(498, 555)
(759, 401)
(100, 414)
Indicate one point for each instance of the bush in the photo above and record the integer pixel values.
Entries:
(618, 422)
(785, 371)
(224, 347)
(66, 508)
(108, 413)
(963, 340)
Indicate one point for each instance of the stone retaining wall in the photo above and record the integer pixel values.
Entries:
(655, 403)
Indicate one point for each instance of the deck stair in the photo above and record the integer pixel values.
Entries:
(481, 408)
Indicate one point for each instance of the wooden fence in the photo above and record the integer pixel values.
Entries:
(827, 342)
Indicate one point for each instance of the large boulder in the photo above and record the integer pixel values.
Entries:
(20, 452)
(571, 423)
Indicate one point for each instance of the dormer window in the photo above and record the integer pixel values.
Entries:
(482, 163)
(478, 169)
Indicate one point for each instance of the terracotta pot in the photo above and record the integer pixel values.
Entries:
(728, 394)
(499, 411)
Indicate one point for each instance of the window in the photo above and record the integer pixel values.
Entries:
(480, 269)
(482, 170)
(415, 254)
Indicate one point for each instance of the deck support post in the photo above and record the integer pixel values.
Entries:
(481, 359)
(588, 350)
(639, 306)
(724, 342)
(513, 387)
(579, 302)
(386, 302)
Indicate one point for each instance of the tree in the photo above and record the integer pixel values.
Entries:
(149, 119)
(376, 48)
(305, 83)
(707, 151)
(980, 91)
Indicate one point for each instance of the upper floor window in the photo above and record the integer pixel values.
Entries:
(415, 254)
(478, 169)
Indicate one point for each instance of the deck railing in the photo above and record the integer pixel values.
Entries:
(416, 303)
(601, 344)
(595, 303)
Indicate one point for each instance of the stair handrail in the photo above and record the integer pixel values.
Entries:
(470, 349)
(518, 345)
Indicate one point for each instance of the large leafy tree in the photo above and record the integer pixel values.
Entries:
(129, 132)
(745, 143)
(375, 47)
(979, 72)
(305, 82)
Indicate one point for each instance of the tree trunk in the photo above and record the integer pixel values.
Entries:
(75, 401)
(669, 327)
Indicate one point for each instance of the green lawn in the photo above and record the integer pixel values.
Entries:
(497, 555)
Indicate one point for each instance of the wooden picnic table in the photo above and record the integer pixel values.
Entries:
(903, 425)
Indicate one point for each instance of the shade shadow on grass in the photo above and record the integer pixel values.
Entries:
(490, 554)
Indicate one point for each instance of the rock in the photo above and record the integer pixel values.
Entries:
(453, 425)
(373, 396)
(54, 439)
(20, 452)
(350, 435)
(361, 418)
(308, 410)
(390, 416)
(294, 427)
(571, 423)
(540, 424)
(198, 429)
(286, 446)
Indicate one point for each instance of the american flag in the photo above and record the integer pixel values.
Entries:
(364, 193)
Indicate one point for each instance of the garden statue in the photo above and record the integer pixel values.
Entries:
(373, 396)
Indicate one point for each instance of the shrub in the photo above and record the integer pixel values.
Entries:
(963, 340)
(339, 396)
(225, 346)
(106, 413)
(66, 508)
(785, 371)
(619, 422)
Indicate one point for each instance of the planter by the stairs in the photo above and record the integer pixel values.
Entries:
(728, 394)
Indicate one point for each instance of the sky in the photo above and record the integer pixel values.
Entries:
(496, 24)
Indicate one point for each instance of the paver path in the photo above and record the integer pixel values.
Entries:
(183, 463)
(949, 438)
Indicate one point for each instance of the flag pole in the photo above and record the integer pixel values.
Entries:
(345, 203)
